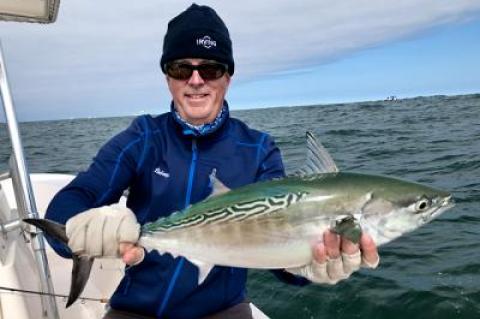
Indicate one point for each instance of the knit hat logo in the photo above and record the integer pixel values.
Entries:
(206, 42)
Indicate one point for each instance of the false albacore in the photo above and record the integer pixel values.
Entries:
(274, 224)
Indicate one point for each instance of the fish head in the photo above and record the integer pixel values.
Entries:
(394, 207)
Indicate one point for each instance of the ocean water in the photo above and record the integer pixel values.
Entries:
(433, 272)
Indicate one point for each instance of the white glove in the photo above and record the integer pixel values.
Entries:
(98, 232)
(333, 270)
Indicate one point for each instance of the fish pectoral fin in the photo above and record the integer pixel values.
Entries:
(204, 269)
(349, 228)
(218, 188)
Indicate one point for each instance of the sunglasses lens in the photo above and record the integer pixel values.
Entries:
(208, 71)
(179, 71)
(211, 71)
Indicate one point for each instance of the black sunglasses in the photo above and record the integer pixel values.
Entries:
(183, 71)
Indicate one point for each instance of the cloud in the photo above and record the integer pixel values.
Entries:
(298, 34)
(97, 51)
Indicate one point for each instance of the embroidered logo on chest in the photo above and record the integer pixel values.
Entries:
(161, 172)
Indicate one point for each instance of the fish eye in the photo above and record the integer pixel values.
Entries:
(422, 205)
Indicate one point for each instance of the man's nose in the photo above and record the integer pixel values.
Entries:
(196, 79)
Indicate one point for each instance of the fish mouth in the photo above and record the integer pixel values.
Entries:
(448, 201)
(444, 204)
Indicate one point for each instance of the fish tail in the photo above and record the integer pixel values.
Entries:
(51, 228)
(82, 265)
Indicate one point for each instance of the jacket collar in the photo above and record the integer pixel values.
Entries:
(201, 130)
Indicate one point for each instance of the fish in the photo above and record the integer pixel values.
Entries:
(274, 224)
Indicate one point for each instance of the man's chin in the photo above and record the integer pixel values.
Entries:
(197, 118)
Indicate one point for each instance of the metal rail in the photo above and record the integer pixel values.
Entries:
(24, 195)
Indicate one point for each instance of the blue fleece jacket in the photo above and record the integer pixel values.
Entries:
(165, 166)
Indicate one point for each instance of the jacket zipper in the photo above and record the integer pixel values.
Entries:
(178, 268)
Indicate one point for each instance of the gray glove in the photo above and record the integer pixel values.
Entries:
(333, 270)
(98, 232)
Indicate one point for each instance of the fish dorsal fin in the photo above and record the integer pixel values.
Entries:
(318, 159)
(218, 188)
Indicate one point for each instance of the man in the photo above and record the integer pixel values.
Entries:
(165, 162)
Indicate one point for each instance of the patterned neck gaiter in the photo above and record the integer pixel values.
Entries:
(204, 129)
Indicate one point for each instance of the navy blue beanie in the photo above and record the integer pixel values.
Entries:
(198, 32)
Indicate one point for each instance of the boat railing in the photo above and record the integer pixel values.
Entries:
(24, 197)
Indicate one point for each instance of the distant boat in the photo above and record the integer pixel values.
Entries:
(391, 98)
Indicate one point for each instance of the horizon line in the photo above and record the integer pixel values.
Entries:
(397, 99)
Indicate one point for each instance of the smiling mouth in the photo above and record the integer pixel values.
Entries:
(196, 96)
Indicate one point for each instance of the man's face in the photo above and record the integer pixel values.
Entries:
(197, 100)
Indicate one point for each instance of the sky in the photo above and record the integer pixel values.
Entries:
(100, 58)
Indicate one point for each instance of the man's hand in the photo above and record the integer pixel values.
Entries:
(98, 232)
(131, 254)
(336, 258)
